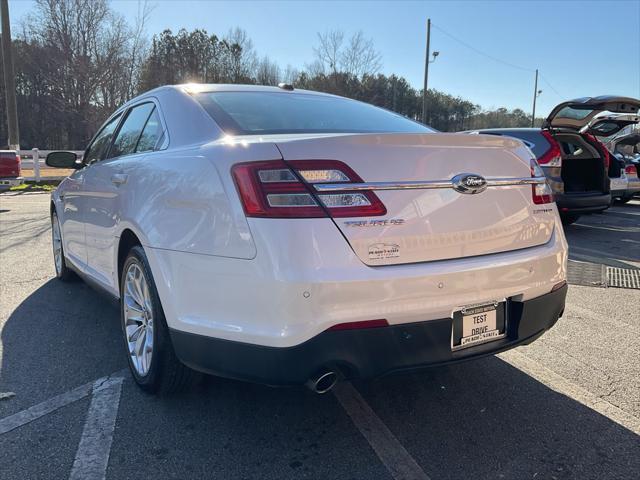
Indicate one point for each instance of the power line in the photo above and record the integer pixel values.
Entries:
(562, 97)
(480, 52)
(499, 60)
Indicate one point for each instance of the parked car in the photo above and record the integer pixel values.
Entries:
(575, 162)
(618, 178)
(9, 169)
(285, 236)
(626, 150)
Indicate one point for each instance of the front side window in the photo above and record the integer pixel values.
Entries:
(151, 133)
(101, 143)
(255, 113)
(129, 133)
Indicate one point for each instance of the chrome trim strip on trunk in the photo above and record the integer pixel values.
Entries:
(424, 185)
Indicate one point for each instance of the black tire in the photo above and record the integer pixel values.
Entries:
(623, 199)
(166, 374)
(63, 273)
(568, 219)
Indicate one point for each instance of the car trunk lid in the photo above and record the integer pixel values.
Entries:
(427, 219)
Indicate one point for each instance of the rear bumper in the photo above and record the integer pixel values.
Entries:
(10, 182)
(582, 203)
(633, 188)
(363, 353)
(289, 294)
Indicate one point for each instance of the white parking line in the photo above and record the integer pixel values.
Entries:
(390, 451)
(94, 449)
(33, 413)
(561, 385)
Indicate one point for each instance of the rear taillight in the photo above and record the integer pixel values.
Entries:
(553, 156)
(274, 190)
(631, 170)
(10, 161)
(541, 192)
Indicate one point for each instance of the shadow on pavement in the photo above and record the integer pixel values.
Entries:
(59, 337)
(483, 419)
(487, 419)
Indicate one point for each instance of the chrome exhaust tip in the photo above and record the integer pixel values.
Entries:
(323, 382)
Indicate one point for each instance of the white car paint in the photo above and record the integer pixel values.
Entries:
(279, 282)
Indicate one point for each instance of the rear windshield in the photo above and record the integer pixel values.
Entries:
(574, 113)
(255, 113)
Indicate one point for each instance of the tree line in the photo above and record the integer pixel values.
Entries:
(76, 61)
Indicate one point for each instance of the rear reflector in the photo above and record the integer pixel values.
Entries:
(558, 286)
(271, 189)
(363, 324)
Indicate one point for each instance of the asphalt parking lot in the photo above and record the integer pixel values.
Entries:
(565, 407)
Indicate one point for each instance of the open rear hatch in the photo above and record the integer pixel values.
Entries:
(404, 198)
(577, 114)
(586, 165)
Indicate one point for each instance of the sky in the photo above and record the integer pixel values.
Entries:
(489, 50)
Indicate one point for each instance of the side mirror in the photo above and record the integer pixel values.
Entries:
(63, 160)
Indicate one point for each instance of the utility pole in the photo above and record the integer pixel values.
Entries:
(535, 96)
(9, 78)
(426, 72)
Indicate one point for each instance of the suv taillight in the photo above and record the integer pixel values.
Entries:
(272, 189)
(604, 151)
(541, 192)
(553, 156)
(631, 170)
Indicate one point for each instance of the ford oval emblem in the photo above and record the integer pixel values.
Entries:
(469, 183)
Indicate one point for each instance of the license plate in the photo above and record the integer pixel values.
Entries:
(478, 324)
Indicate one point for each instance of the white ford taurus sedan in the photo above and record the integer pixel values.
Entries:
(284, 237)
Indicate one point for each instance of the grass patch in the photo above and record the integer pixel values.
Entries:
(34, 187)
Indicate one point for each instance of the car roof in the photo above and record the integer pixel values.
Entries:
(232, 87)
(506, 129)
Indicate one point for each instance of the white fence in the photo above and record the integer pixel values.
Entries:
(34, 160)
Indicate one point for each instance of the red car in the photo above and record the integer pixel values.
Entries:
(9, 169)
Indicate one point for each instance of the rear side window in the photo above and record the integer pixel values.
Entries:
(129, 133)
(255, 113)
(101, 143)
(151, 133)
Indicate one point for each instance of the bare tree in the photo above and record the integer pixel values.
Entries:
(290, 74)
(245, 58)
(267, 72)
(358, 58)
(329, 51)
(87, 47)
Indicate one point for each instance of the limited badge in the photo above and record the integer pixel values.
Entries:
(382, 251)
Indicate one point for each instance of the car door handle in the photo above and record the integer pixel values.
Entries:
(119, 178)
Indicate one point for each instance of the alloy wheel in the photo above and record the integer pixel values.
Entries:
(56, 240)
(138, 318)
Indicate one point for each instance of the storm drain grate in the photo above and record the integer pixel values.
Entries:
(586, 273)
(623, 277)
